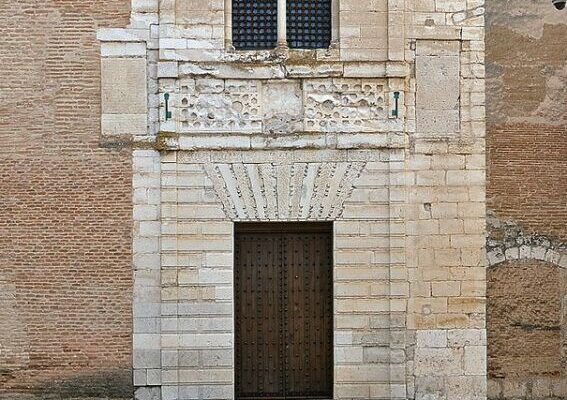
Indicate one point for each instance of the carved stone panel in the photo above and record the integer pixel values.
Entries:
(271, 192)
(344, 105)
(217, 105)
(325, 105)
(283, 107)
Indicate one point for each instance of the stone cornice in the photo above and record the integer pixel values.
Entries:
(342, 141)
(285, 69)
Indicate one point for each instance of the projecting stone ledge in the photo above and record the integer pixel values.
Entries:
(173, 141)
(237, 69)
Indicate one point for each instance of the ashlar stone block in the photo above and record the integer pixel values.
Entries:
(438, 362)
(438, 88)
(282, 106)
(124, 86)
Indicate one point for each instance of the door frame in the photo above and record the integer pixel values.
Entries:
(286, 227)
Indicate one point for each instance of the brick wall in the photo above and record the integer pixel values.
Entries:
(526, 190)
(65, 219)
(527, 116)
(527, 165)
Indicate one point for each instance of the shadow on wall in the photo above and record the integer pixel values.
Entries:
(110, 384)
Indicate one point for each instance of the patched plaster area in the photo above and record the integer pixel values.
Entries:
(526, 63)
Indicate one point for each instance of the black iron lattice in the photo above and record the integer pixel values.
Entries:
(309, 24)
(254, 24)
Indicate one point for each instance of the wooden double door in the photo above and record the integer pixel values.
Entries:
(284, 311)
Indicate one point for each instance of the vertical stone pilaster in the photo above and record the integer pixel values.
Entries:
(228, 25)
(362, 288)
(146, 264)
(196, 287)
(396, 29)
(123, 83)
(127, 73)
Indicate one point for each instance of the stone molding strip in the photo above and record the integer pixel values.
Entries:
(173, 141)
(283, 70)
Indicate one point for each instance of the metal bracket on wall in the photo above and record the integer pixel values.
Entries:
(167, 112)
(396, 110)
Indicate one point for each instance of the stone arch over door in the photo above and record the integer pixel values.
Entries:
(202, 198)
(299, 191)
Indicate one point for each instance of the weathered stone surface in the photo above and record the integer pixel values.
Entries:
(283, 135)
(124, 86)
(438, 89)
(282, 107)
(298, 191)
(438, 362)
(215, 105)
(524, 96)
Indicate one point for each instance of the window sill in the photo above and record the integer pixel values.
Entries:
(243, 67)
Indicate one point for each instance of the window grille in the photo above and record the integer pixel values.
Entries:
(309, 24)
(254, 24)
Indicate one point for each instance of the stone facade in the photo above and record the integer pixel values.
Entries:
(197, 242)
(119, 235)
(282, 136)
(382, 133)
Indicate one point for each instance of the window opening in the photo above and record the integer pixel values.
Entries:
(254, 24)
(309, 24)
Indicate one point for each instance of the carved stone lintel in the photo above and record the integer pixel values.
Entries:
(294, 191)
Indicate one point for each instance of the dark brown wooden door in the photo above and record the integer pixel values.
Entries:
(283, 294)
